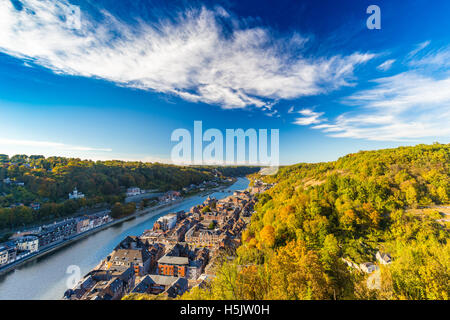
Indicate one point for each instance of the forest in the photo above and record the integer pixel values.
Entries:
(317, 215)
(48, 181)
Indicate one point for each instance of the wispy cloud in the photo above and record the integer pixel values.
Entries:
(309, 117)
(48, 144)
(189, 55)
(419, 48)
(406, 106)
(386, 65)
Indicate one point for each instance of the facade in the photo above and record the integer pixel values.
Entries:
(173, 266)
(138, 259)
(200, 237)
(28, 243)
(3, 255)
(57, 231)
(167, 222)
(133, 191)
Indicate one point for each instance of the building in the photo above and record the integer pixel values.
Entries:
(76, 195)
(198, 236)
(3, 255)
(173, 266)
(170, 196)
(56, 231)
(8, 252)
(35, 205)
(166, 222)
(138, 259)
(157, 284)
(383, 258)
(368, 267)
(103, 285)
(133, 191)
(28, 243)
(83, 224)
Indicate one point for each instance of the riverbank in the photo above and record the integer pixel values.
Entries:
(150, 212)
(46, 277)
(79, 236)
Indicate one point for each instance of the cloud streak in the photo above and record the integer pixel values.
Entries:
(190, 56)
(407, 106)
(49, 144)
(309, 117)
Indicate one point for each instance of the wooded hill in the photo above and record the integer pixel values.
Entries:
(50, 180)
(351, 208)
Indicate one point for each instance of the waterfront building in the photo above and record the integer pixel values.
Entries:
(166, 222)
(3, 255)
(138, 259)
(28, 243)
(56, 231)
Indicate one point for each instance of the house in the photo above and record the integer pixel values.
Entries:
(383, 258)
(173, 266)
(157, 284)
(8, 252)
(35, 205)
(3, 255)
(76, 195)
(133, 191)
(56, 231)
(138, 259)
(103, 285)
(166, 222)
(83, 224)
(28, 243)
(368, 267)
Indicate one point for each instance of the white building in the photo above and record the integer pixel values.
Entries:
(28, 243)
(368, 267)
(133, 191)
(76, 194)
(383, 258)
(168, 221)
(3, 255)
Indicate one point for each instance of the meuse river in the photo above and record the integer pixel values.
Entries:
(46, 277)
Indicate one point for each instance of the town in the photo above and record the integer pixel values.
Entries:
(180, 252)
(24, 245)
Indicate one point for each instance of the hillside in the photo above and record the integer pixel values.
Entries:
(319, 214)
(48, 181)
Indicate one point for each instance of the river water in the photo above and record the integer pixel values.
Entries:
(46, 277)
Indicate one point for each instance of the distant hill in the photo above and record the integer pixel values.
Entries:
(48, 181)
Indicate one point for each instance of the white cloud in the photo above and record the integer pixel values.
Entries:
(48, 144)
(439, 58)
(386, 65)
(310, 117)
(189, 56)
(419, 48)
(407, 106)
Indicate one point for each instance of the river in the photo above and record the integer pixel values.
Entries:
(46, 277)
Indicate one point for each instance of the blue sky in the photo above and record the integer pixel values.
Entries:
(117, 82)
